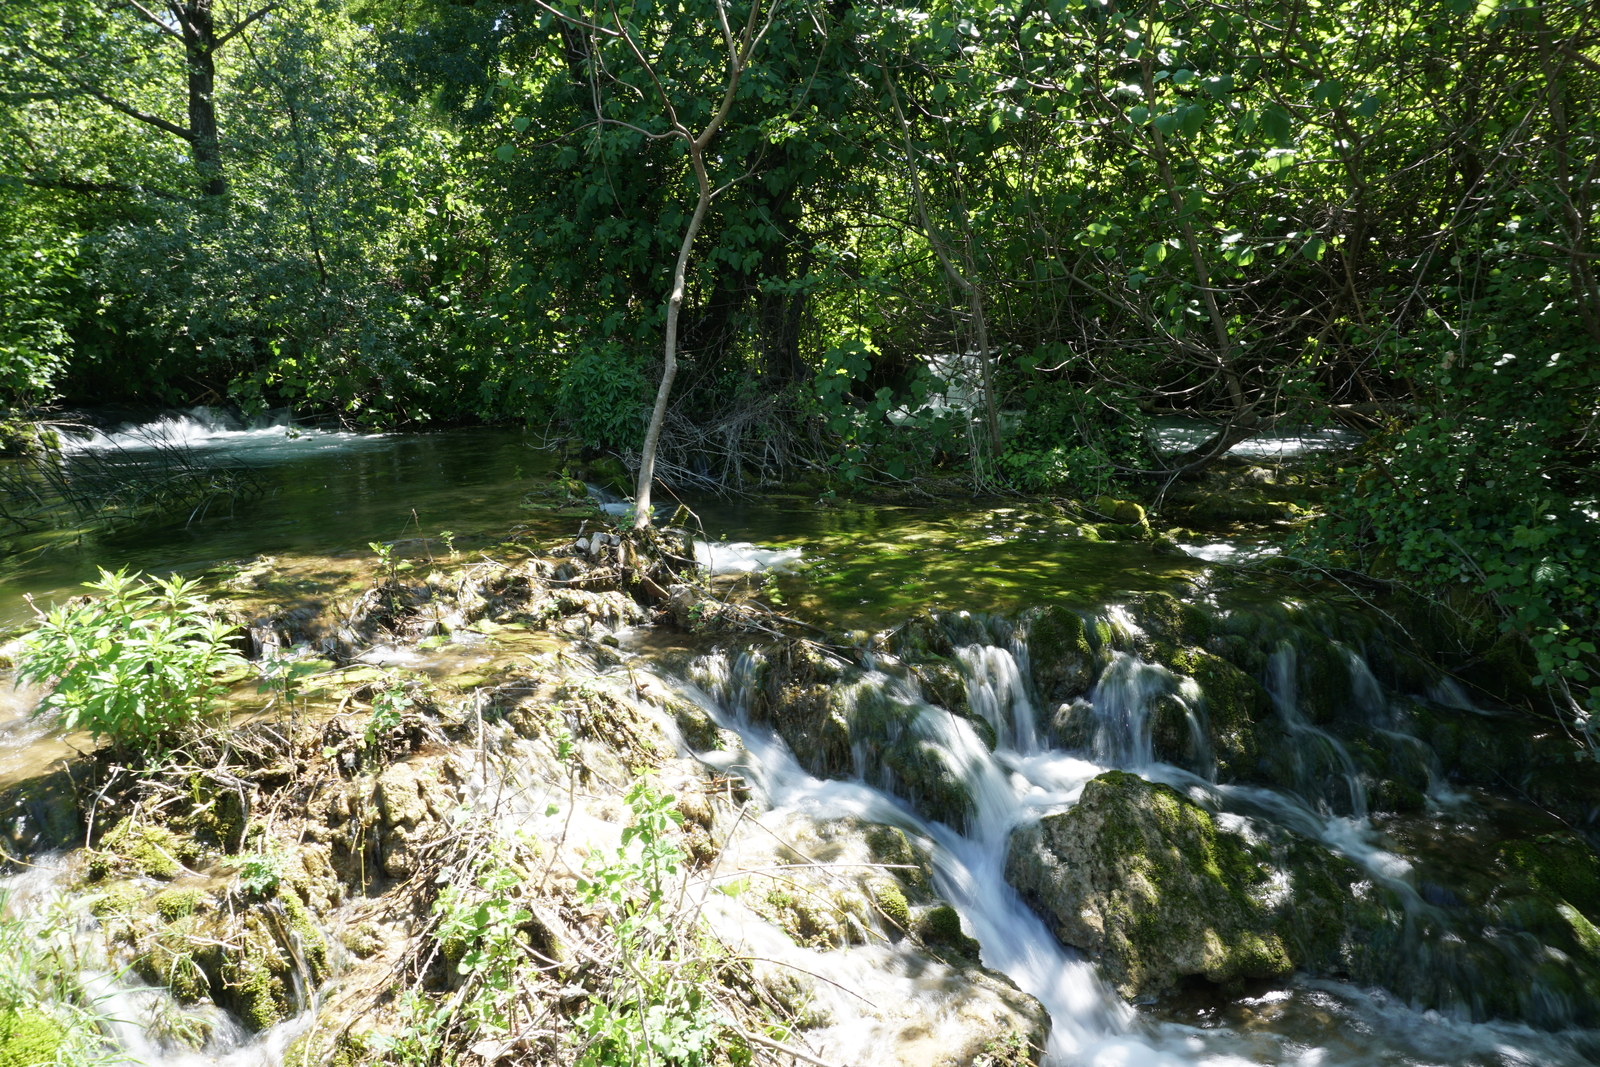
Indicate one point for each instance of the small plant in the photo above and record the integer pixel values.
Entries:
(281, 677)
(658, 1010)
(47, 1013)
(260, 872)
(449, 539)
(138, 665)
(385, 555)
(388, 707)
(481, 929)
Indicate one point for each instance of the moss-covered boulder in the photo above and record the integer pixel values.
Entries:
(1234, 710)
(1059, 655)
(1148, 884)
(1141, 880)
(135, 846)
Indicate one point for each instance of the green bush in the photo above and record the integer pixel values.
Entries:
(1071, 440)
(138, 665)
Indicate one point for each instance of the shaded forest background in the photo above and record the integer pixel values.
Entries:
(987, 242)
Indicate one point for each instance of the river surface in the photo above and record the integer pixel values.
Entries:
(326, 496)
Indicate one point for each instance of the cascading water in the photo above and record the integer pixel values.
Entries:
(1023, 779)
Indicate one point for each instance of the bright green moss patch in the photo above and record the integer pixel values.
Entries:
(29, 1038)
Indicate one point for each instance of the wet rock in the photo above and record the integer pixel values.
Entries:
(134, 846)
(1140, 879)
(40, 814)
(1071, 726)
(1236, 712)
(399, 796)
(1059, 655)
(940, 929)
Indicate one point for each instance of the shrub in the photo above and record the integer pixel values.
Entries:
(138, 665)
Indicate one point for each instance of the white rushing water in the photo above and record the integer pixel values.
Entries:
(266, 438)
(1304, 1022)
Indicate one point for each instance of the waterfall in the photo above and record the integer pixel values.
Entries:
(1023, 779)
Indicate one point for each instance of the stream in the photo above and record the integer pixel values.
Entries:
(976, 573)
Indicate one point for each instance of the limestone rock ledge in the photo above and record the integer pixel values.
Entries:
(1140, 879)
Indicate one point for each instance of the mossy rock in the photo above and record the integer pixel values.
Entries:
(256, 978)
(943, 684)
(1234, 706)
(29, 1038)
(117, 898)
(608, 471)
(319, 1048)
(889, 845)
(698, 729)
(1059, 656)
(921, 639)
(1113, 531)
(138, 847)
(364, 941)
(1560, 864)
(940, 929)
(1121, 512)
(1140, 879)
(217, 814)
(892, 902)
(1165, 617)
(19, 437)
(1071, 726)
(175, 904)
(919, 774)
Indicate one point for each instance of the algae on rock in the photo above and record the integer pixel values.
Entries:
(1139, 877)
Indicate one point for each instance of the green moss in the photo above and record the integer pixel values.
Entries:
(254, 977)
(118, 898)
(892, 902)
(364, 941)
(313, 947)
(940, 928)
(1583, 931)
(29, 1038)
(150, 850)
(174, 904)
(317, 1048)
(889, 845)
(1560, 864)
(1059, 655)
(921, 775)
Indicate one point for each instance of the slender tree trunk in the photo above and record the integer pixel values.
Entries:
(965, 284)
(199, 46)
(669, 364)
(1241, 423)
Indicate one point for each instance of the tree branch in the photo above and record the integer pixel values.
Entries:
(153, 20)
(231, 34)
(110, 101)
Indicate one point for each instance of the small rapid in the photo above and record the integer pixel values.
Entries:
(1023, 778)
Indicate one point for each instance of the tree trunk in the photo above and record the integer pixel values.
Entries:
(669, 363)
(199, 47)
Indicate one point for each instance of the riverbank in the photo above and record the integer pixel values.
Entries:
(845, 818)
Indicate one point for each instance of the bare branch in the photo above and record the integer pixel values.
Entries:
(231, 34)
(154, 20)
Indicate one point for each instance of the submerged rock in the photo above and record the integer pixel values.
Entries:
(1141, 880)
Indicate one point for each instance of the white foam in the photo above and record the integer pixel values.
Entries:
(742, 557)
(1224, 552)
(209, 429)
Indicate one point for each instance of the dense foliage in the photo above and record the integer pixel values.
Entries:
(986, 238)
